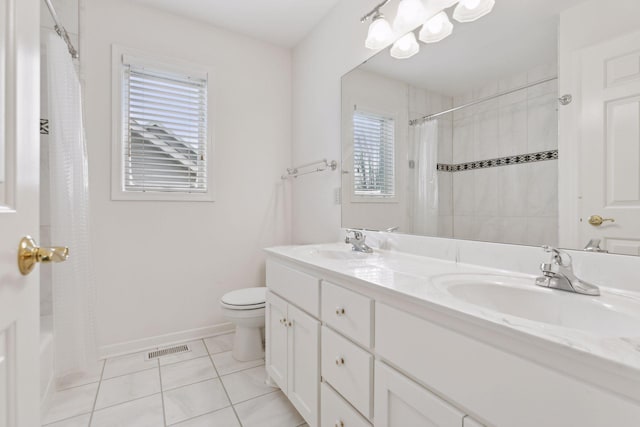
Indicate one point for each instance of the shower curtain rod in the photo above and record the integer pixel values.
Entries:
(62, 32)
(479, 101)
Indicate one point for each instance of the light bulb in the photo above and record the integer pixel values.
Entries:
(405, 47)
(380, 33)
(470, 10)
(411, 14)
(435, 24)
(436, 28)
(471, 4)
(404, 44)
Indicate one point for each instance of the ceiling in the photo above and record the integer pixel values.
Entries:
(516, 36)
(282, 22)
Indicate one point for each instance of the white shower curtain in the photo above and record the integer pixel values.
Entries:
(73, 287)
(425, 185)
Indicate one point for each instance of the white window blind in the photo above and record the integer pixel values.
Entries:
(164, 131)
(373, 155)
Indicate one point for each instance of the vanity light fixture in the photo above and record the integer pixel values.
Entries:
(411, 13)
(445, 4)
(470, 10)
(435, 29)
(405, 47)
(380, 33)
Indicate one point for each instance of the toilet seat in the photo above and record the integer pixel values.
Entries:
(245, 299)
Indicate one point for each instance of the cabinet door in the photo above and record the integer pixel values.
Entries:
(304, 364)
(399, 402)
(276, 340)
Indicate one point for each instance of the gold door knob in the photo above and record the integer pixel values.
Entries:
(29, 254)
(597, 220)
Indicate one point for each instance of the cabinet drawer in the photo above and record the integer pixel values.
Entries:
(347, 312)
(348, 368)
(299, 288)
(336, 412)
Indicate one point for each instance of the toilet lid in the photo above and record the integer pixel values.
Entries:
(247, 298)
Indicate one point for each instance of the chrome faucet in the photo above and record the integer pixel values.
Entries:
(357, 241)
(558, 274)
(594, 246)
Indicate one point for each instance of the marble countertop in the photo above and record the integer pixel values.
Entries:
(416, 277)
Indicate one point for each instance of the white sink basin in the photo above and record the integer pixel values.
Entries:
(609, 315)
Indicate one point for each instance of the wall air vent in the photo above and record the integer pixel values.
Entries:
(169, 351)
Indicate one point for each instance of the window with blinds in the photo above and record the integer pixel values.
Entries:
(164, 133)
(373, 155)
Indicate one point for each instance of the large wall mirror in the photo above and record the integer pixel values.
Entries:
(471, 138)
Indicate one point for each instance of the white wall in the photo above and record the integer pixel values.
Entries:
(161, 267)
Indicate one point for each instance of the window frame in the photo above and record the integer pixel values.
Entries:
(118, 193)
(362, 198)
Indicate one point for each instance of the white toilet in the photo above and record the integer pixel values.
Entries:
(245, 308)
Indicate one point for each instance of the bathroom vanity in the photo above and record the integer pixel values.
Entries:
(401, 339)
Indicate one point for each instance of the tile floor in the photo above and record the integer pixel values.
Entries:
(205, 387)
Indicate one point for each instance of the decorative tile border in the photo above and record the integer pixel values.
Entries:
(44, 126)
(501, 161)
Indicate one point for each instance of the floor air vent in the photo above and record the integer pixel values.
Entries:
(167, 351)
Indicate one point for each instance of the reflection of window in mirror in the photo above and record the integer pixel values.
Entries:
(373, 155)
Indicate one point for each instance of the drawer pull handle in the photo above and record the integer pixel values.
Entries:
(340, 361)
(289, 323)
(340, 311)
(283, 322)
(339, 423)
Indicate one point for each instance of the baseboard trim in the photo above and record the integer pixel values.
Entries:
(133, 346)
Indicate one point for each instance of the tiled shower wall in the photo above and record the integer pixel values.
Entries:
(514, 203)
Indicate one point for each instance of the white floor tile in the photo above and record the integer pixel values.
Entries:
(219, 343)
(128, 387)
(271, 410)
(80, 421)
(128, 364)
(188, 372)
(247, 384)
(145, 412)
(222, 418)
(226, 364)
(193, 400)
(71, 402)
(197, 350)
(78, 380)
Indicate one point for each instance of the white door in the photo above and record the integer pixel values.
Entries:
(19, 176)
(609, 149)
(276, 339)
(399, 402)
(303, 372)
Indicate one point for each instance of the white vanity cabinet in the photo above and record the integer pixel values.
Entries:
(327, 365)
(292, 355)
